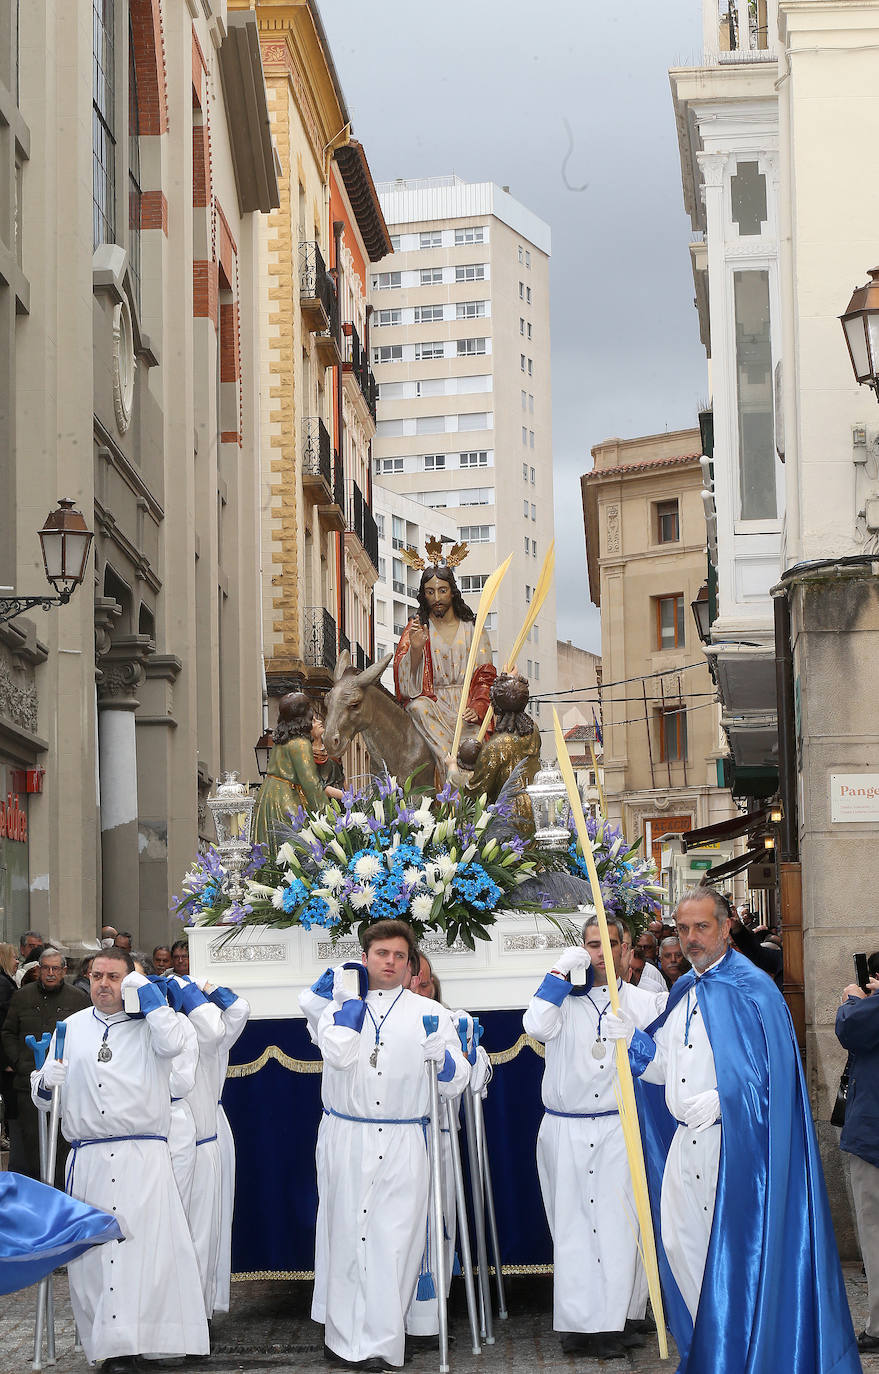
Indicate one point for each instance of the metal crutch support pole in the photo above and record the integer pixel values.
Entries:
(51, 1158)
(431, 1024)
(41, 1049)
(479, 1220)
(482, 1144)
(463, 1226)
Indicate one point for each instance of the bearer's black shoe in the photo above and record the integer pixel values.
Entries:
(867, 1342)
(575, 1342)
(643, 1326)
(375, 1364)
(607, 1346)
(632, 1340)
(120, 1364)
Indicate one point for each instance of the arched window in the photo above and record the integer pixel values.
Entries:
(104, 122)
(134, 191)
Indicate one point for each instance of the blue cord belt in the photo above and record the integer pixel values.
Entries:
(380, 1120)
(113, 1139)
(206, 1140)
(580, 1116)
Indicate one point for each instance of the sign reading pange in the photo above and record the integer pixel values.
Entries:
(854, 796)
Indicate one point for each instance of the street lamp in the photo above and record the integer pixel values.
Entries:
(701, 609)
(262, 749)
(65, 540)
(860, 324)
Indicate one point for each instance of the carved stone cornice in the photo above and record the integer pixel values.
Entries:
(106, 613)
(18, 692)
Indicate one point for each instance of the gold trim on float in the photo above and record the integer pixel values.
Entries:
(266, 1275)
(316, 1066)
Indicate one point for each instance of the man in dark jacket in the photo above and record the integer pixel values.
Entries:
(857, 1029)
(34, 1009)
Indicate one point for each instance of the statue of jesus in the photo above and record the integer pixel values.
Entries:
(431, 659)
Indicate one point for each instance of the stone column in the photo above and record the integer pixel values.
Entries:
(121, 675)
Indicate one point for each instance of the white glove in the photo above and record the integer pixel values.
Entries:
(54, 1073)
(133, 980)
(702, 1111)
(435, 1048)
(340, 992)
(618, 1027)
(575, 956)
(480, 1072)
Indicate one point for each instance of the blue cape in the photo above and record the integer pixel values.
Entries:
(773, 1299)
(42, 1228)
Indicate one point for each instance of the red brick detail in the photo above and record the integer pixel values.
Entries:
(205, 290)
(149, 65)
(154, 211)
(201, 165)
(230, 436)
(199, 70)
(230, 366)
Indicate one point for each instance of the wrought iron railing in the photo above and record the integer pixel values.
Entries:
(361, 522)
(361, 658)
(344, 643)
(356, 358)
(319, 638)
(317, 450)
(316, 284)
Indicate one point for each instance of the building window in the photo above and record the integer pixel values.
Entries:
(536, 634)
(533, 548)
(531, 403)
(472, 234)
(521, 291)
(479, 419)
(524, 472)
(669, 622)
(667, 522)
(472, 582)
(395, 243)
(521, 362)
(528, 294)
(754, 397)
(528, 603)
(472, 271)
(533, 511)
(387, 281)
(531, 438)
(521, 325)
(470, 348)
(433, 238)
(388, 353)
(476, 496)
(524, 434)
(491, 620)
(434, 462)
(521, 254)
(529, 329)
(530, 367)
(469, 310)
(431, 276)
(398, 532)
(524, 400)
(385, 465)
(536, 671)
(381, 318)
(529, 668)
(430, 424)
(476, 534)
(135, 197)
(104, 123)
(527, 545)
(672, 732)
(425, 351)
(380, 526)
(428, 314)
(532, 475)
(527, 258)
(479, 459)
(525, 509)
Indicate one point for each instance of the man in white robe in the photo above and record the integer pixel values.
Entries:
(235, 1012)
(375, 1168)
(599, 1290)
(140, 1296)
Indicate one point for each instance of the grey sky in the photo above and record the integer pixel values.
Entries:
(483, 88)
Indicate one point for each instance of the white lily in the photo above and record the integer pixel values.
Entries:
(286, 854)
(378, 810)
(481, 822)
(338, 850)
(445, 866)
(468, 854)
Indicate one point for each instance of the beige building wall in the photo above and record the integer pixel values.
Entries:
(136, 391)
(656, 783)
(493, 399)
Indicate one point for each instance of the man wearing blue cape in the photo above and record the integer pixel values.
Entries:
(747, 1255)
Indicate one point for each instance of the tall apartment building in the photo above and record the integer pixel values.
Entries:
(461, 352)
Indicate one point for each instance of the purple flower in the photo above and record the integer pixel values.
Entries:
(386, 787)
(237, 912)
(448, 795)
(298, 817)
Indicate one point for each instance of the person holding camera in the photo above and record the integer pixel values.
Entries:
(857, 1030)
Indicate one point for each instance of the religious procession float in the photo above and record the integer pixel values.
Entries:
(461, 833)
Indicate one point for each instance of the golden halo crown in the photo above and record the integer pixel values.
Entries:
(435, 558)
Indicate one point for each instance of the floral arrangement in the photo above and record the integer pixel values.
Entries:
(630, 886)
(447, 863)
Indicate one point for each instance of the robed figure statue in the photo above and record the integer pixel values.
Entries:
(292, 779)
(430, 659)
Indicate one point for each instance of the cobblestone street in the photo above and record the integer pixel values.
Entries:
(268, 1331)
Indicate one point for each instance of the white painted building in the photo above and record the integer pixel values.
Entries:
(460, 345)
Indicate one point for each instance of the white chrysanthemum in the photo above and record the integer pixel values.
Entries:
(357, 820)
(332, 878)
(278, 898)
(412, 876)
(368, 866)
(321, 825)
(364, 898)
(420, 906)
(332, 906)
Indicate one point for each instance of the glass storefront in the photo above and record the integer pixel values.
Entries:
(14, 874)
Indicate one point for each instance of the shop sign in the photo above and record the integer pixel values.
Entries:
(13, 821)
(854, 797)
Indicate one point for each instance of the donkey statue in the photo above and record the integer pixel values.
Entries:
(358, 705)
